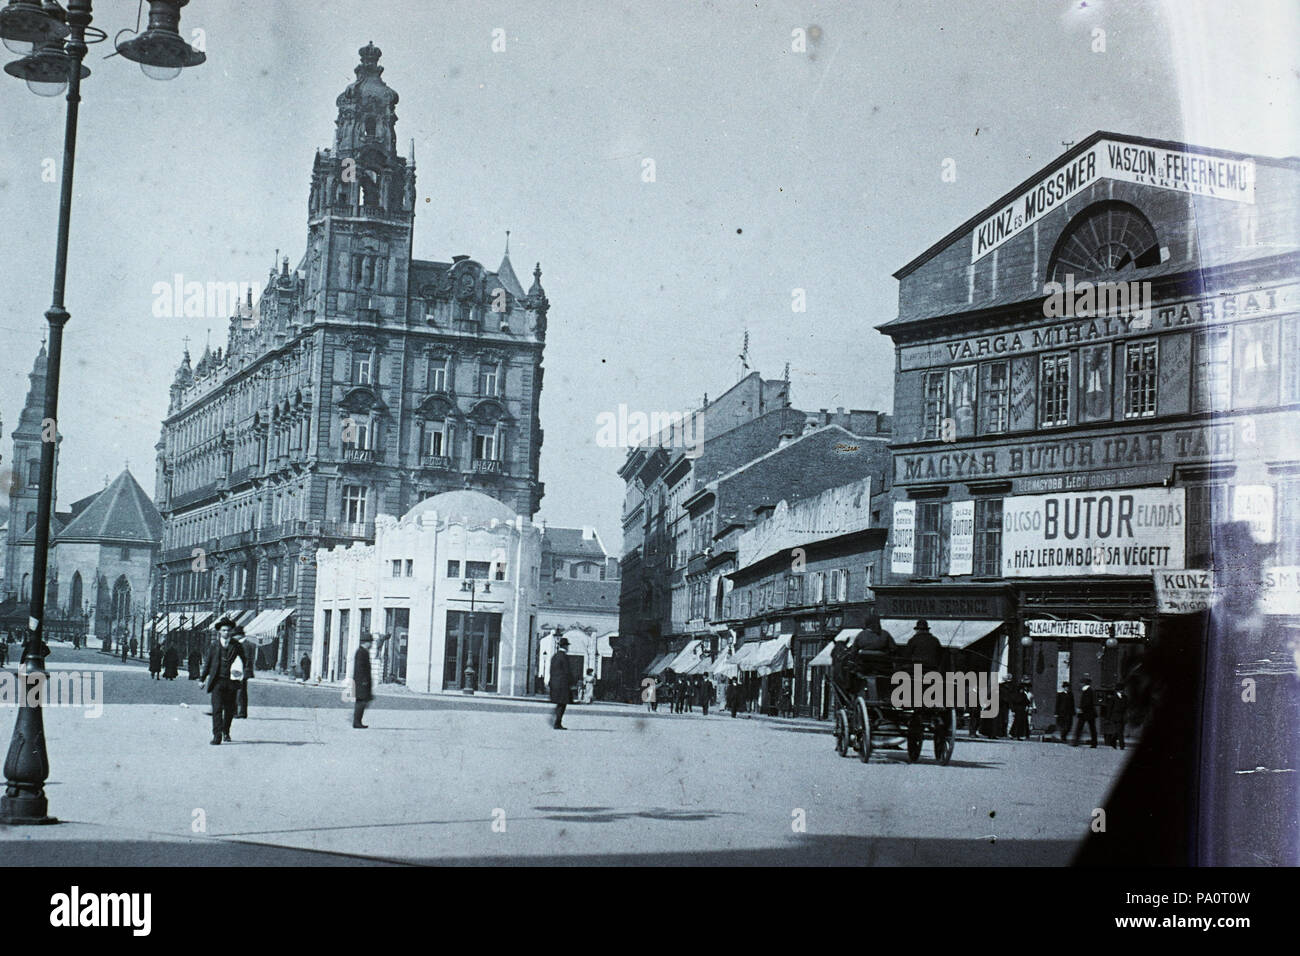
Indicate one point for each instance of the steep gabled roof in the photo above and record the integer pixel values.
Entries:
(121, 512)
(509, 281)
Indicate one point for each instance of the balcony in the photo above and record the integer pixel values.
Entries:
(487, 466)
(359, 455)
(355, 530)
(436, 462)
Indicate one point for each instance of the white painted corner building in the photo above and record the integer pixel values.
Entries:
(449, 592)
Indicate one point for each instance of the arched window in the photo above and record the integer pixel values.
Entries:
(121, 598)
(75, 597)
(1103, 241)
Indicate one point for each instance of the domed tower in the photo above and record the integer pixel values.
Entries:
(361, 206)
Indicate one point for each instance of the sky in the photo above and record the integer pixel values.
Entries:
(774, 170)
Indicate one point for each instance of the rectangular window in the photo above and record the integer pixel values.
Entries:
(365, 620)
(124, 554)
(31, 520)
(995, 404)
(1207, 506)
(397, 567)
(1054, 390)
(1140, 377)
(933, 405)
(437, 440)
(1291, 359)
(1255, 365)
(869, 582)
(438, 375)
(819, 587)
(927, 538)
(794, 590)
(1288, 522)
(361, 368)
(478, 570)
(410, 567)
(1211, 370)
(499, 572)
(961, 400)
(988, 537)
(34, 472)
(453, 569)
(842, 589)
(485, 447)
(489, 382)
(833, 588)
(354, 504)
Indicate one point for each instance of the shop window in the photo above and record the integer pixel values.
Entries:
(995, 404)
(927, 538)
(1255, 365)
(933, 400)
(1207, 506)
(1141, 359)
(1211, 369)
(1054, 390)
(1288, 522)
(988, 537)
(1291, 359)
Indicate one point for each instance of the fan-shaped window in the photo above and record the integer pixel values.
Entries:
(1103, 241)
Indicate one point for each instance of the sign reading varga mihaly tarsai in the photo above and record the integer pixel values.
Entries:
(1182, 170)
(1133, 531)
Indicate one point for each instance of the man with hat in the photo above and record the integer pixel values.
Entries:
(241, 692)
(561, 682)
(362, 689)
(924, 648)
(222, 671)
(1087, 712)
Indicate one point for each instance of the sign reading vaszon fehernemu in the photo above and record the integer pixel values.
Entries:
(1132, 531)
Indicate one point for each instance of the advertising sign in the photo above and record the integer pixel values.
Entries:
(904, 531)
(1134, 531)
(961, 546)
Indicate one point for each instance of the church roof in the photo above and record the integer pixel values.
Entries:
(121, 512)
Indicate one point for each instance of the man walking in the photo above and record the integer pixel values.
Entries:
(706, 691)
(221, 674)
(1112, 723)
(1065, 711)
(241, 693)
(1087, 713)
(561, 682)
(155, 661)
(362, 690)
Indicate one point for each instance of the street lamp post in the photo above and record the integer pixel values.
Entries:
(471, 585)
(53, 63)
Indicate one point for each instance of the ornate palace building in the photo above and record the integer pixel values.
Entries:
(362, 382)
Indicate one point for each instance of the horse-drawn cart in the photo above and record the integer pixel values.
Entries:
(868, 719)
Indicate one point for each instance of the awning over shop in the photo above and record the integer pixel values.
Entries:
(764, 657)
(244, 617)
(264, 626)
(954, 634)
(725, 666)
(200, 620)
(687, 658)
(823, 658)
(658, 665)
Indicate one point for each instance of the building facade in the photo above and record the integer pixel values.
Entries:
(24, 488)
(450, 590)
(577, 599)
(1091, 374)
(363, 381)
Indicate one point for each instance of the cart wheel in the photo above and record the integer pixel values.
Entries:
(915, 738)
(842, 732)
(945, 737)
(864, 745)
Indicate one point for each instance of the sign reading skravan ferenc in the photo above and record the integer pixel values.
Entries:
(1135, 531)
(1182, 170)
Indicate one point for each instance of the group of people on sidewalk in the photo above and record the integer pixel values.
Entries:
(1114, 714)
(681, 693)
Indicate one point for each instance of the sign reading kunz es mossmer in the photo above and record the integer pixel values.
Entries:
(1132, 532)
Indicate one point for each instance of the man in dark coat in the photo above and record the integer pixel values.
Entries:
(305, 665)
(561, 682)
(241, 693)
(195, 662)
(221, 676)
(170, 661)
(1064, 711)
(155, 661)
(1020, 712)
(362, 689)
(1087, 713)
(1112, 722)
(924, 648)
